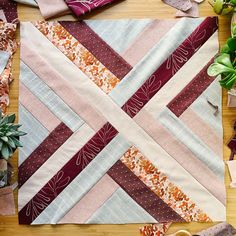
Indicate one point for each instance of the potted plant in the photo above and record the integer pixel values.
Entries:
(9, 142)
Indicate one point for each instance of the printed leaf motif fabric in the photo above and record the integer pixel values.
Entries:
(109, 134)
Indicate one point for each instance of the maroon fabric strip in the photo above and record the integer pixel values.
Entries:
(139, 192)
(98, 47)
(10, 10)
(173, 64)
(191, 92)
(66, 175)
(43, 152)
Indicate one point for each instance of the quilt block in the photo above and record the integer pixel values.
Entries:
(123, 122)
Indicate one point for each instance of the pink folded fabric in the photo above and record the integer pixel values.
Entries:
(182, 5)
(80, 7)
(53, 8)
(7, 204)
(9, 8)
(192, 12)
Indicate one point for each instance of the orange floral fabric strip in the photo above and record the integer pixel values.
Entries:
(154, 230)
(162, 187)
(78, 54)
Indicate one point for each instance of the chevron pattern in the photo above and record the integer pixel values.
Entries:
(120, 126)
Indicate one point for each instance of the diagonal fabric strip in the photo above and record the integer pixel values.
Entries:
(142, 194)
(98, 47)
(43, 152)
(191, 92)
(66, 175)
(165, 72)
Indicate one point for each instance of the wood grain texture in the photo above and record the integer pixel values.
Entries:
(125, 9)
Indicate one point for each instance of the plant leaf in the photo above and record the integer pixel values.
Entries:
(231, 42)
(17, 142)
(11, 118)
(1, 142)
(216, 69)
(225, 49)
(11, 142)
(5, 151)
(224, 59)
(218, 6)
(4, 138)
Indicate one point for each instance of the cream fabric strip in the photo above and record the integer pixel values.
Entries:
(232, 171)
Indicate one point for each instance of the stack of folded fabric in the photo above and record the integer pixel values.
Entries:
(56, 8)
(8, 46)
(185, 8)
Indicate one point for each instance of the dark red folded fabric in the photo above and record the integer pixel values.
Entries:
(80, 7)
(10, 10)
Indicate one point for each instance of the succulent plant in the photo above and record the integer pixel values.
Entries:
(223, 7)
(9, 136)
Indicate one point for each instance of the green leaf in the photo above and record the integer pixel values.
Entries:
(225, 49)
(224, 59)
(216, 69)
(5, 139)
(1, 143)
(233, 2)
(11, 143)
(15, 127)
(19, 133)
(218, 6)
(5, 152)
(232, 44)
(11, 118)
(17, 142)
(4, 120)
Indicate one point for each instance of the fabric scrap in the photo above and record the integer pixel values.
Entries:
(7, 204)
(182, 5)
(2, 16)
(154, 230)
(28, 2)
(232, 171)
(192, 12)
(54, 8)
(4, 58)
(80, 7)
(10, 10)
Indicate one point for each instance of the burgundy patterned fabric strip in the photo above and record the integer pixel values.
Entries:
(66, 175)
(191, 92)
(139, 192)
(98, 47)
(10, 10)
(173, 64)
(43, 152)
(80, 7)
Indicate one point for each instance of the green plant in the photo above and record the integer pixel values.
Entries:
(225, 63)
(9, 136)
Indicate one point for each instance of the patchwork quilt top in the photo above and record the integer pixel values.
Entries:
(123, 122)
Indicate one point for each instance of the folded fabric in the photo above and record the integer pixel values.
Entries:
(3, 173)
(4, 58)
(182, 5)
(232, 171)
(80, 7)
(2, 16)
(154, 230)
(192, 12)
(53, 8)
(222, 229)
(10, 10)
(9, 45)
(7, 204)
(28, 2)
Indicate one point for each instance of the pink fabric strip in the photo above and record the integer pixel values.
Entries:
(180, 153)
(182, 5)
(45, 116)
(2, 16)
(43, 152)
(191, 92)
(173, 64)
(206, 133)
(53, 8)
(66, 175)
(147, 39)
(98, 47)
(93, 200)
(192, 12)
(61, 87)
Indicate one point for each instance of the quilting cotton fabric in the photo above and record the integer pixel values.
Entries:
(9, 9)
(125, 128)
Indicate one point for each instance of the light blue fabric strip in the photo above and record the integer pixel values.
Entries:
(213, 94)
(122, 209)
(28, 2)
(119, 34)
(36, 133)
(192, 142)
(50, 99)
(84, 181)
(4, 57)
(155, 57)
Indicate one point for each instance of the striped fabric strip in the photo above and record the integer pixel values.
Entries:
(98, 47)
(191, 92)
(142, 194)
(170, 66)
(43, 152)
(66, 175)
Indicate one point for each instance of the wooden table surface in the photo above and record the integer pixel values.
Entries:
(125, 9)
